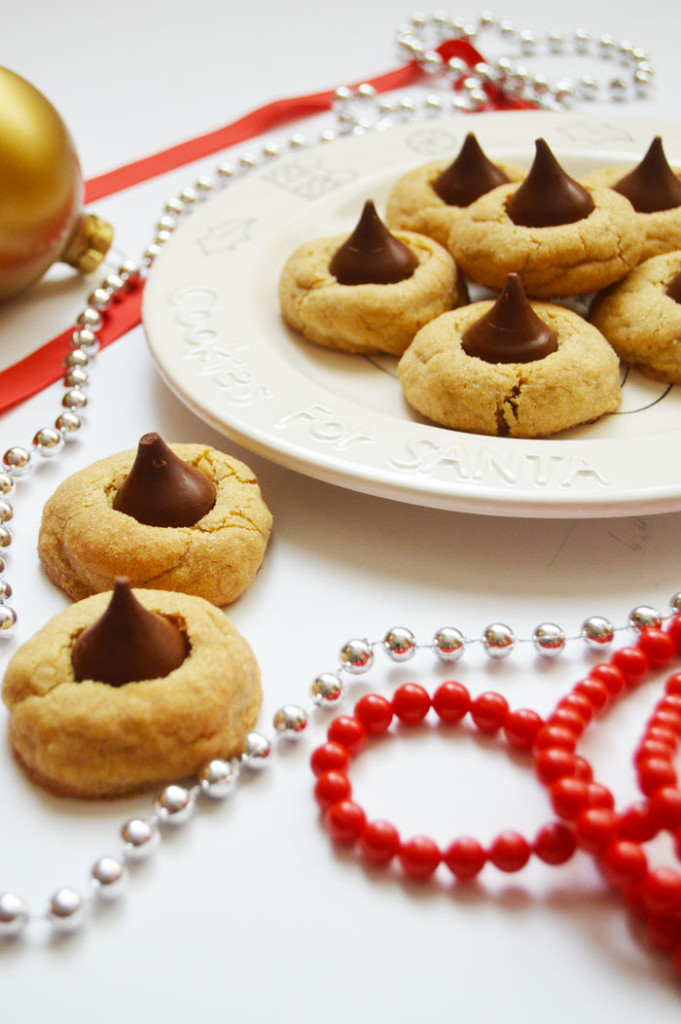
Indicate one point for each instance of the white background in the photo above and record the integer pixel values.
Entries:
(248, 912)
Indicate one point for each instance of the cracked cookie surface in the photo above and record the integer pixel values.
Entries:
(575, 384)
(642, 322)
(367, 317)
(553, 262)
(89, 739)
(84, 543)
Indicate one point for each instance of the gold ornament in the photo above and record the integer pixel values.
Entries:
(41, 192)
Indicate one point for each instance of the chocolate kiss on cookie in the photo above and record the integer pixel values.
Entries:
(128, 643)
(163, 490)
(371, 255)
(652, 185)
(548, 196)
(674, 288)
(511, 331)
(470, 175)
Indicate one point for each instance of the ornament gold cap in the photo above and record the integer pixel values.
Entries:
(88, 244)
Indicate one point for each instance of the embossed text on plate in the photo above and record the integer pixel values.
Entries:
(321, 424)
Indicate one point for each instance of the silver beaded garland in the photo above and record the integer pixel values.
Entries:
(645, 617)
(400, 643)
(174, 805)
(327, 690)
(257, 751)
(290, 721)
(448, 644)
(66, 910)
(218, 779)
(498, 640)
(13, 915)
(548, 639)
(597, 632)
(357, 656)
(109, 877)
(140, 838)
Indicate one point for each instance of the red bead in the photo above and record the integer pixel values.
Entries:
(672, 702)
(488, 711)
(411, 703)
(330, 787)
(566, 718)
(554, 843)
(554, 736)
(600, 796)
(673, 684)
(657, 645)
(632, 663)
(451, 701)
(662, 890)
(595, 691)
(674, 630)
(665, 807)
(349, 732)
(580, 704)
(521, 727)
(569, 796)
(624, 863)
(652, 748)
(583, 769)
(374, 712)
(465, 857)
(379, 842)
(419, 856)
(554, 763)
(509, 852)
(329, 757)
(661, 734)
(345, 821)
(637, 823)
(596, 828)
(667, 719)
(610, 675)
(655, 773)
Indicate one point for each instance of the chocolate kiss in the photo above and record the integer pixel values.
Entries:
(652, 185)
(548, 196)
(469, 176)
(674, 289)
(511, 331)
(371, 255)
(161, 489)
(129, 643)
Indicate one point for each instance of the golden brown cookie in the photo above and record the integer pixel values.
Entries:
(641, 321)
(367, 317)
(84, 543)
(92, 739)
(555, 261)
(576, 383)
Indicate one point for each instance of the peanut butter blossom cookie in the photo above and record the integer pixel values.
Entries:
(125, 691)
(173, 517)
(654, 190)
(641, 317)
(510, 368)
(371, 291)
(430, 198)
(562, 237)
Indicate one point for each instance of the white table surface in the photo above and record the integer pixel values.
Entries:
(248, 912)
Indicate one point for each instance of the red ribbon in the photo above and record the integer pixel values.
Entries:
(30, 375)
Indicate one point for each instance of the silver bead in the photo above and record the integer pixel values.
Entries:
(642, 82)
(564, 91)
(433, 102)
(548, 639)
(597, 632)
(365, 91)
(290, 721)
(189, 196)
(76, 359)
(343, 94)
(675, 602)
(3, 566)
(449, 644)
(76, 378)
(327, 690)
(488, 19)
(431, 62)
(113, 284)
(271, 149)
(645, 617)
(166, 223)
(66, 910)
(16, 461)
(356, 656)
(48, 441)
(328, 135)
(5, 537)
(99, 299)
(161, 238)
(407, 106)
(588, 86)
(7, 485)
(556, 41)
(174, 805)
(85, 339)
(174, 206)
(6, 511)
(150, 254)
(74, 400)
(606, 46)
(457, 66)
(582, 41)
(218, 779)
(257, 750)
(298, 140)
(90, 319)
(400, 643)
(225, 173)
(498, 640)
(140, 838)
(67, 424)
(108, 878)
(618, 88)
(8, 620)
(129, 271)
(5, 590)
(528, 43)
(13, 915)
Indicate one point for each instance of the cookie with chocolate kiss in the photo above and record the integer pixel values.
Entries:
(429, 198)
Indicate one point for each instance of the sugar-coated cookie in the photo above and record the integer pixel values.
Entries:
(89, 738)
(85, 542)
(642, 320)
(381, 314)
(429, 198)
(576, 382)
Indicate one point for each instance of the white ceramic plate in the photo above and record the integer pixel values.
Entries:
(213, 326)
